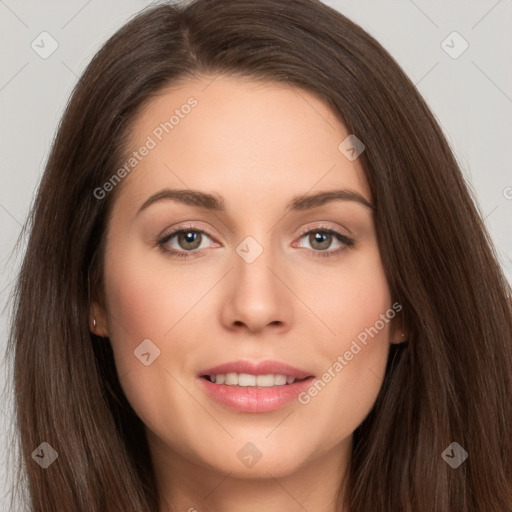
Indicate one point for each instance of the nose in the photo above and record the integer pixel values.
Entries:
(257, 296)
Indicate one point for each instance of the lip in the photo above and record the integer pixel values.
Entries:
(253, 399)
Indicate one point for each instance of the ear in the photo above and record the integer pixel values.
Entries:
(397, 332)
(97, 313)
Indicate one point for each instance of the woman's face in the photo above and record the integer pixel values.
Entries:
(268, 292)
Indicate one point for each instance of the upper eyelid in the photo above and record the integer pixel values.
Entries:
(175, 230)
(323, 226)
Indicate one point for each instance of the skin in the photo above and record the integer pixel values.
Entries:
(257, 145)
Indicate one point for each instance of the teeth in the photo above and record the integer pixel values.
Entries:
(279, 380)
(244, 379)
(265, 381)
(248, 380)
(231, 379)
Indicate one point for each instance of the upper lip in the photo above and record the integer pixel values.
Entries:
(257, 368)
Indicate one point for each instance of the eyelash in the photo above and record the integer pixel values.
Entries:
(317, 229)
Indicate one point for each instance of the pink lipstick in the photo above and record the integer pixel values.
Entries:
(253, 387)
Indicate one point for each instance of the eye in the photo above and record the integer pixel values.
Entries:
(188, 239)
(321, 239)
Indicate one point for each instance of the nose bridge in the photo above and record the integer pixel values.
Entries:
(257, 296)
(254, 258)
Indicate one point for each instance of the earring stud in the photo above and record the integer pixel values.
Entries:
(94, 324)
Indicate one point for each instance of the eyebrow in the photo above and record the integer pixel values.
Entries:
(215, 202)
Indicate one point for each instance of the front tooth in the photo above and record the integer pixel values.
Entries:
(280, 380)
(244, 379)
(265, 381)
(220, 379)
(231, 379)
(290, 380)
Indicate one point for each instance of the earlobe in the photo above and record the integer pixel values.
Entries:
(401, 339)
(398, 334)
(97, 321)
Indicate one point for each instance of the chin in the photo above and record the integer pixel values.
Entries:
(255, 460)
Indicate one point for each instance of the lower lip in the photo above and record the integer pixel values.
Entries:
(254, 399)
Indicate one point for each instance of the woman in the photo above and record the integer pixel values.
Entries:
(371, 372)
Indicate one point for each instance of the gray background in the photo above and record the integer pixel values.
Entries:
(471, 96)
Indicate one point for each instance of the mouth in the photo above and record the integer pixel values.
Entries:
(254, 387)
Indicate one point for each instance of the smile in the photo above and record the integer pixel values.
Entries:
(251, 387)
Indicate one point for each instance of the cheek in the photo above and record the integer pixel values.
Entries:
(357, 306)
(141, 304)
(134, 306)
(349, 299)
(146, 293)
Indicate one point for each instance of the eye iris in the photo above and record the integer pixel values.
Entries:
(185, 236)
(323, 238)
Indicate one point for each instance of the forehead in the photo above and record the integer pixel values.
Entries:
(247, 140)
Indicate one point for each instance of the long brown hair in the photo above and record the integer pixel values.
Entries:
(452, 380)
